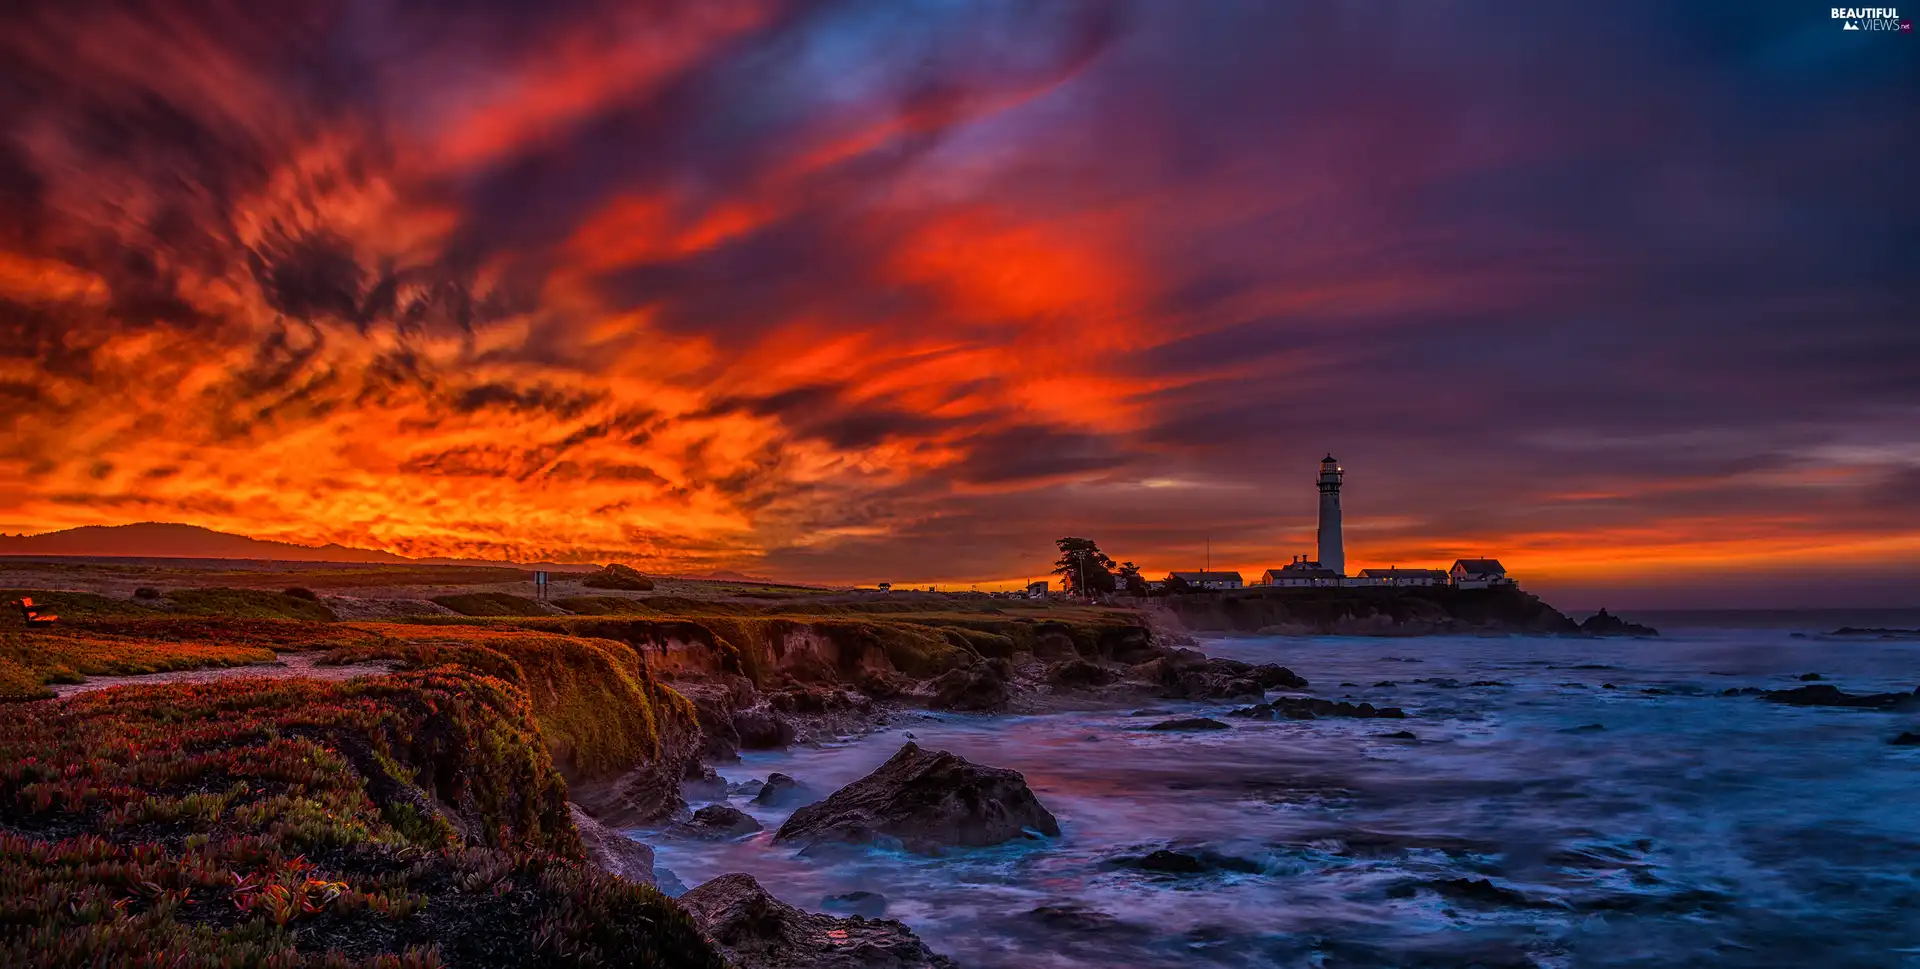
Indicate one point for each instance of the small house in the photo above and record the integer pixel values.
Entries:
(1211, 580)
(1300, 574)
(1478, 574)
(1403, 578)
(1037, 590)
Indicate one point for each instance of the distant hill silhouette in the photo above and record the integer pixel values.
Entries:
(175, 541)
(171, 540)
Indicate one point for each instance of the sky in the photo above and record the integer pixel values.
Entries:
(1623, 294)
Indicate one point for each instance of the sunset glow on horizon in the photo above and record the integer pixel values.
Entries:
(859, 292)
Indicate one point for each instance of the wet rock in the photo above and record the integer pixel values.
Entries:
(1608, 686)
(1078, 673)
(1827, 695)
(1070, 917)
(1383, 684)
(1350, 686)
(780, 791)
(1308, 708)
(1906, 739)
(762, 729)
(1399, 735)
(1743, 691)
(1490, 683)
(1471, 890)
(928, 800)
(748, 788)
(818, 700)
(1585, 728)
(613, 852)
(1190, 723)
(1810, 677)
(870, 905)
(1443, 682)
(1604, 623)
(717, 821)
(1168, 861)
(702, 783)
(1150, 712)
(977, 687)
(713, 711)
(757, 931)
(1191, 675)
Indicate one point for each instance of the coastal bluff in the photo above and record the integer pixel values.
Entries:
(1366, 612)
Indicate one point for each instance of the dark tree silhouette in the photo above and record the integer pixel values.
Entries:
(1082, 554)
(1129, 578)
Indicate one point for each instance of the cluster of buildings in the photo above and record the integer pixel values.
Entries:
(1329, 571)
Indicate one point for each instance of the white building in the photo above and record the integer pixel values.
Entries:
(1402, 578)
(1300, 574)
(1211, 580)
(1478, 574)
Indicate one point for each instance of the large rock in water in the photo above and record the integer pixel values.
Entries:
(1828, 695)
(1604, 623)
(927, 800)
(758, 931)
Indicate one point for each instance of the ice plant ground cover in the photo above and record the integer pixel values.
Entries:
(408, 820)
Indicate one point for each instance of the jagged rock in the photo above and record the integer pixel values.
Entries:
(1810, 677)
(762, 729)
(758, 931)
(1075, 673)
(927, 800)
(1827, 695)
(613, 852)
(1490, 683)
(1190, 723)
(977, 687)
(1191, 675)
(1400, 735)
(702, 783)
(865, 904)
(1604, 623)
(720, 821)
(1731, 691)
(1906, 739)
(720, 741)
(747, 788)
(1386, 683)
(805, 699)
(1308, 708)
(779, 791)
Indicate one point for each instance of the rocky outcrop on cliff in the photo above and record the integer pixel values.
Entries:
(926, 801)
(1604, 623)
(758, 931)
(1367, 612)
(613, 852)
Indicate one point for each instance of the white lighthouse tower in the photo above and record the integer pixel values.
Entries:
(1333, 553)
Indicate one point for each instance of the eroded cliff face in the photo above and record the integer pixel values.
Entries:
(1366, 612)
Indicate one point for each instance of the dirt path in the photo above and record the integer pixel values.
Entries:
(288, 664)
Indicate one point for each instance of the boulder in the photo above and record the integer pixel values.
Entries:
(747, 788)
(1827, 695)
(1399, 735)
(757, 931)
(613, 852)
(717, 821)
(1604, 623)
(702, 783)
(927, 800)
(1906, 739)
(760, 728)
(1189, 723)
(1079, 673)
(977, 687)
(779, 791)
(1167, 861)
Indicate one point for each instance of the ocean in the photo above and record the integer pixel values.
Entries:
(1599, 803)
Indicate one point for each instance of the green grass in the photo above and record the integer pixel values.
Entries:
(30, 660)
(490, 604)
(248, 604)
(406, 821)
(598, 709)
(76, 605)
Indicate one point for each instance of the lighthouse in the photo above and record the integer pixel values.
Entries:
(1332, 554)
